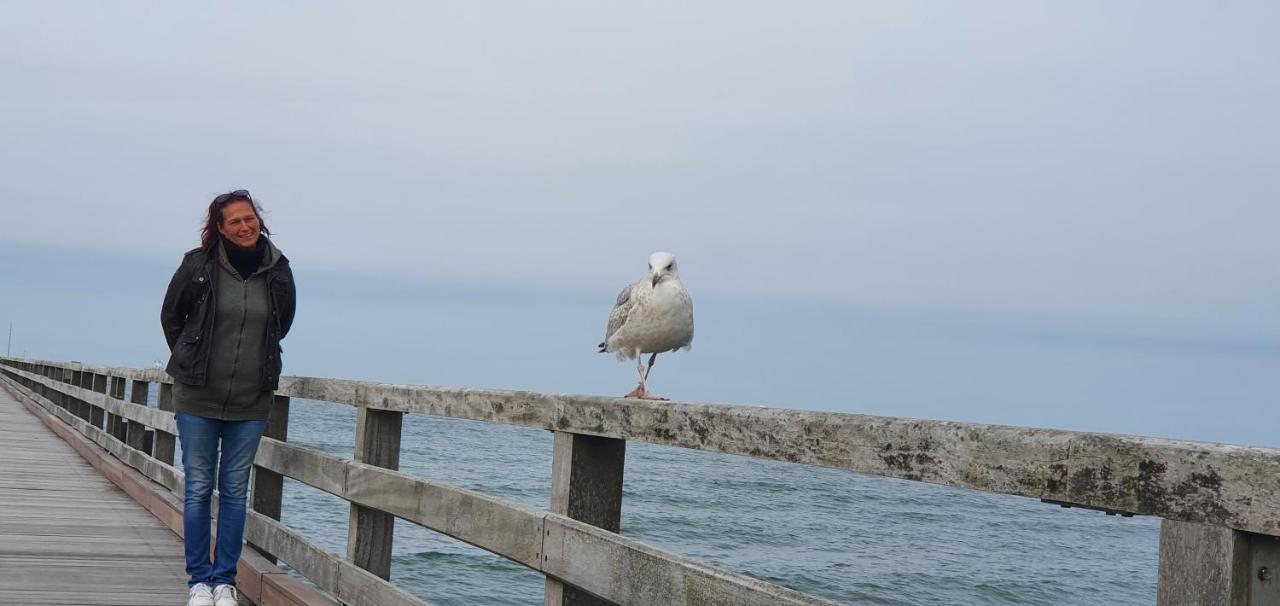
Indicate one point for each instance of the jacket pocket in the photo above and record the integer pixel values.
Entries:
(199, 287)
(190, 332)
(200, 291)
(180, 359)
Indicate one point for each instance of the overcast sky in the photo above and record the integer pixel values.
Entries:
(1017, 212)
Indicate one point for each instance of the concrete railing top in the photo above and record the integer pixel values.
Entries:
(1223, 485)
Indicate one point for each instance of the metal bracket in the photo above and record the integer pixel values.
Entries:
(1066, 505)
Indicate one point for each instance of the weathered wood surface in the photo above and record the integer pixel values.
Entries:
(267, 497)
(1216, 566)
(1264, 567)
(492, 524)
(258, 578)
(343, 579)
(1202, 565)
(1201, 482)
(165, 442)
(1221, 486)
(586, 485)
(628, 572)
(151, 417)
(154, 469)
(68, 535)
(620, 570)
(370, 532)
(1181, 480)
(354, 586)
(150, 375)
(114, 387)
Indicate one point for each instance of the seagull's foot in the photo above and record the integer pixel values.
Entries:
(640, 393)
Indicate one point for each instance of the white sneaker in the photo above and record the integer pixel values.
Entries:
(225, 595)
(200, 595)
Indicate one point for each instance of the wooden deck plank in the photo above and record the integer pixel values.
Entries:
(68, 536)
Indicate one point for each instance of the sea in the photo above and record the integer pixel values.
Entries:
(847, 537)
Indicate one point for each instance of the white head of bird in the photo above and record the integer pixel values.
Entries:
(662, 266)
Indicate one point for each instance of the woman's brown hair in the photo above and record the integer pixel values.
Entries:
(209, 233)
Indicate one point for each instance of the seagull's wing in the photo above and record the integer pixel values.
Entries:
(686, 302)
(618, 316)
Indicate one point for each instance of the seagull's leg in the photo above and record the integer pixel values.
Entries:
(639, 391)
(644, 391)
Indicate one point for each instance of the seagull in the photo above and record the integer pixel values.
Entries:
(652, 316)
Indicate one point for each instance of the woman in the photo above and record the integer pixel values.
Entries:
(227, 308)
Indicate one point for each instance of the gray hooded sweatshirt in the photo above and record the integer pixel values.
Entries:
(237, 353)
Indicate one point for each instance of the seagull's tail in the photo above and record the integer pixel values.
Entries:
(602, 347)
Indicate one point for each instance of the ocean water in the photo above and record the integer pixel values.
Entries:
(847, 537)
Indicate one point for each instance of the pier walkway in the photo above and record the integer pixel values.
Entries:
(70, 536)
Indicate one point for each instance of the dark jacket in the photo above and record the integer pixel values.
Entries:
(187, 316)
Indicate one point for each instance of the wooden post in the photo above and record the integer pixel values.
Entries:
(85, 380)
(136, 433)
(79, 379)
(113, 420)
(268, 486)
(73, 404)
(69, 377)
(90, 382)
(117, 392)
(110, 419)
(586, 485)
(104, 418)
(97, 416)
(49, 393)
(165, 441)
(1264, 572)
(72, 377)
(370, 532)
(97, 383)
(1216, 566)
(40, 370)
(76, 405)
(39, 387)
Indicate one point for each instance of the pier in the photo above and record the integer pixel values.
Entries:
(1219, 504)
(68, 535)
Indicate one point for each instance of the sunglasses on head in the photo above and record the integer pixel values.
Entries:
(229, 196)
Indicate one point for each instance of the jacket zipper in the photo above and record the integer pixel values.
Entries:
(273, 324)
(211, 317)
(244, 292)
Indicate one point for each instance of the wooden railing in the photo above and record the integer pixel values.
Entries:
(1220, 503)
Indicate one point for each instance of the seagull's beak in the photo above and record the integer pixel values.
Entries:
(656, 275)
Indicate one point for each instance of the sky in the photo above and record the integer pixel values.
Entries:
(1056, 215)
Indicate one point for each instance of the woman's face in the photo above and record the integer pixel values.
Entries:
(240, 224)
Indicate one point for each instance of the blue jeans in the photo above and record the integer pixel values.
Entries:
(200, 460)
